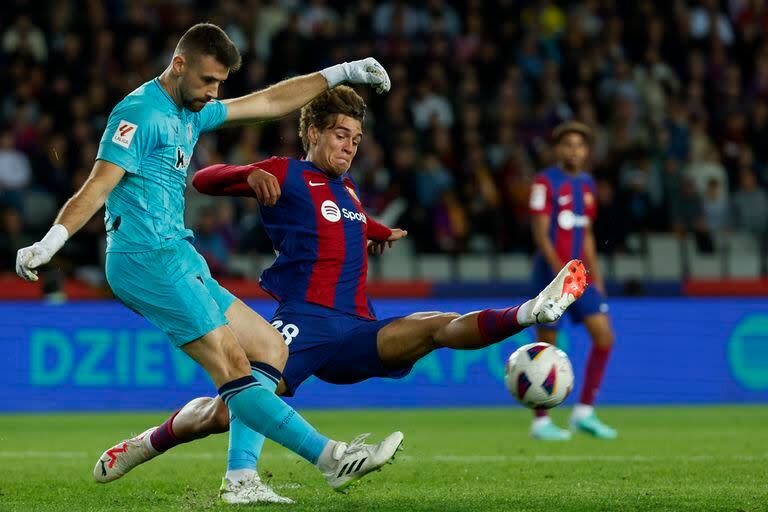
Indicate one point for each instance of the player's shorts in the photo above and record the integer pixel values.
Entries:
(171, 287)
(590, 303)
(334, 346)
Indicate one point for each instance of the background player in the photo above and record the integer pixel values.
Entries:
(563, 206)
(152, 267)
(319, 229)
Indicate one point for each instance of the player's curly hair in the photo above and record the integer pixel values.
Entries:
(567, 127)
(322, 111)
(209, 39)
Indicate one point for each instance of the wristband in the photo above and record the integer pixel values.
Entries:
(55, 238)
(334, 75)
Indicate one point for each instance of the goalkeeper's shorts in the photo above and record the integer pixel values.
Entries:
(172, 288)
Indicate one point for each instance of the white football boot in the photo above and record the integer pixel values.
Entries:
(249, 491)
(352, 461)
(569, 284)
(123, 457)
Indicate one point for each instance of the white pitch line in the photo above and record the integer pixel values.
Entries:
(29, 454)
(37, 454)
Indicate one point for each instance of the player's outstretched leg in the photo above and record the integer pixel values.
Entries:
(548, 306)
(475, 330)
(406, 340)
(197, 419)
(567, 286)
(124, 456)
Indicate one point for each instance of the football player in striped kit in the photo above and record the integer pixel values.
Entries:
(563, 206)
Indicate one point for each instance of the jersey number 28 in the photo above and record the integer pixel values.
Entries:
(289, 331)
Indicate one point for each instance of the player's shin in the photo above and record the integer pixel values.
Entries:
(593, 376)
(245, 444)
(478, 329)
(263, 411)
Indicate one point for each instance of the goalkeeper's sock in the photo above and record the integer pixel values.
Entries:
(245, 444)
(263, 411)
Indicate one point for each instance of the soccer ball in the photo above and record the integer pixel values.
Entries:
(539, 375)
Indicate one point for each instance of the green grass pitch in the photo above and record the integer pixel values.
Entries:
(675, 459)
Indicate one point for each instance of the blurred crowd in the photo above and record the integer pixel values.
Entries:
(676, 91)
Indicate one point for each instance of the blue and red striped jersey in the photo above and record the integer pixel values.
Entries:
(570, 201)
(318, 229)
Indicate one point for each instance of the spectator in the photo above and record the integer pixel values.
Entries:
(640, 183)
(315, 16)
(702, 172)
(611, 226)
(432, 179)
(688, 216)
(715, 206)
(430, 108)
(15, 171)
(24, 39)
(12, 236)
(451, 225)
(707, 20)
(477, 88)
(749, 208)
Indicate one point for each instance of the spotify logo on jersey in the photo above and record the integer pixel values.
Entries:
(330, 211)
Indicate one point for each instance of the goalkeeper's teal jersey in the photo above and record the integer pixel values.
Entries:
(152, 138)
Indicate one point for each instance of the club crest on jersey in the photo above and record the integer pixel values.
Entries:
(124, 133)
(182, 161)
(352, 193)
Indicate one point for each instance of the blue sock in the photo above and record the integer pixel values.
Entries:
(245, 444)
(265, 412)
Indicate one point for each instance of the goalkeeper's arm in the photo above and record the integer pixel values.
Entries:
(73, 216)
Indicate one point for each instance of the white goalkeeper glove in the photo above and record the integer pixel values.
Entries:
(366, 71)
(40, 253)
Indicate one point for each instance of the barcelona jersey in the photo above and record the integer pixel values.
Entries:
(570, 201)
(318, 228)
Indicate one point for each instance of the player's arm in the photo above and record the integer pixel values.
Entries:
(590, 259)
(377, 231)
(261, 180)
(76, 212)
(380, 236)
(284, 97)
(377, 246)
